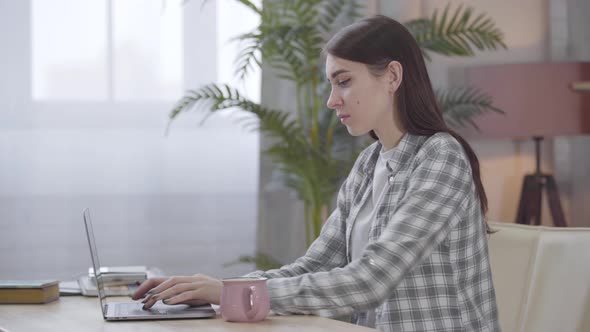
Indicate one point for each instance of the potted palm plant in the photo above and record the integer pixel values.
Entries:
(312, 152)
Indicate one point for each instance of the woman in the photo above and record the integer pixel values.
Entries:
(406, 247)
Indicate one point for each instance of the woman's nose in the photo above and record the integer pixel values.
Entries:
(333, 101)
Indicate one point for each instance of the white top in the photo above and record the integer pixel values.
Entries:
(359, 236)
(360, 231)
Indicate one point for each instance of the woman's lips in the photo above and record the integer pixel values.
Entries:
(343, 117)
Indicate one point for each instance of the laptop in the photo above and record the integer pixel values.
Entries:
(133, 310)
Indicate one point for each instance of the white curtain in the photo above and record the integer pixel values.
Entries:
(85, 93)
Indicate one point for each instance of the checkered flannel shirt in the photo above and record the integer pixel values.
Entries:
(426, 265)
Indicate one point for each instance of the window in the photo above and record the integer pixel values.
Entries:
(85, 127)
(107, 50)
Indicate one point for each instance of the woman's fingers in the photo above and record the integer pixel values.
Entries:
(176, 290)
(195, 290)
(146, 286)
(187, 297)
(193, 303)
(157, 292)
(205, 289)
(170, 282)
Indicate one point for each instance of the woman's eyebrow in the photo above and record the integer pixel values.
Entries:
(338, 72)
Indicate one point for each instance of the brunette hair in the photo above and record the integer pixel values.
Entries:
(378, 40)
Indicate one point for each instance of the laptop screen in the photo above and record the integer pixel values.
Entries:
(95, 262)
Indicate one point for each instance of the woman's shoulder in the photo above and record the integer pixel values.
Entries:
(423, 148)
(445, 146)
(442, 141)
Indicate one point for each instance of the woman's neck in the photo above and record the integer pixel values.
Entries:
(390, 142)
(390, 131)
(389, 137)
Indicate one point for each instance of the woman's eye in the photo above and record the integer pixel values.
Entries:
(343, 83)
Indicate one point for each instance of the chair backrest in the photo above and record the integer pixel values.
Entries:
(542, 277)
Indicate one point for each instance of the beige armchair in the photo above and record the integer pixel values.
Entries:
(542, 277)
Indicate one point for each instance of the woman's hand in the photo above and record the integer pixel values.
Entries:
(195, 290)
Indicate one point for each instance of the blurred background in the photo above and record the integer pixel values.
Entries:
(86, 88)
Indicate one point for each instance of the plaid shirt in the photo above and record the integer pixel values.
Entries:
(426, 265)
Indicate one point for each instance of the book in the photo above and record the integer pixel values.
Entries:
(120, 269)
(88, 288)
(28, 291)
(88, 284)
(120, 275)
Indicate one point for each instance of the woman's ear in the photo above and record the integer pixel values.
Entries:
(395, 74)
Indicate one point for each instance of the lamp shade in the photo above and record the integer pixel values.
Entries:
(540, 99)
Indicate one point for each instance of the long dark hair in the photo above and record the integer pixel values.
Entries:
(377, 41)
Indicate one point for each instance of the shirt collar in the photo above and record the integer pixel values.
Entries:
(402, 153)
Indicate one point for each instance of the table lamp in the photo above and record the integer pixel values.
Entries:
(540, 100)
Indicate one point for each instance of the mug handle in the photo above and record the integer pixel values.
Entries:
(255, 296)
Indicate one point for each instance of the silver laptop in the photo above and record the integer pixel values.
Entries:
(133, 310)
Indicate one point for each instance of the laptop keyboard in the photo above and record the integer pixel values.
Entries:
(134, 309)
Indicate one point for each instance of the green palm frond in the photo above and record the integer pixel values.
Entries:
(261, 43)
(457, 34)
(460, 105)
(300, 12)
(251, 43)
(282, 46)
(291, 52)
(213, 98)
(337, 13)
(419, 27)
(290, 36)
(251, 5)
(312, 174)
(312, 170)
(249, 56)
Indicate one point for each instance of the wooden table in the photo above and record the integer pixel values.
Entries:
(76, 313)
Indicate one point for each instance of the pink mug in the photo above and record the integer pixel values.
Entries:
(244, 299)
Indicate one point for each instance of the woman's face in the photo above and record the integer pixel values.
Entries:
(362, 101)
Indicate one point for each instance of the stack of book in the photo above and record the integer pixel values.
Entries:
(32, 291)
(118, 280)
